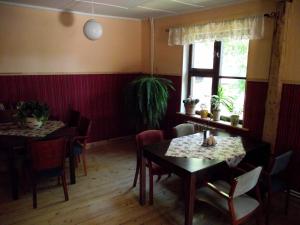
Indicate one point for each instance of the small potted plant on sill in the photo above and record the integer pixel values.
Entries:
(189, 105)
(218, 100)
(235, 117)
(32, 114)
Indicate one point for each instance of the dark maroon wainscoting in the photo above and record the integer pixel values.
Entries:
(173, 105)
(288, 133)
(254, 111)
(99, 97)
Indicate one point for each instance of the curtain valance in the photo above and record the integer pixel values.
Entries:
(244, 28)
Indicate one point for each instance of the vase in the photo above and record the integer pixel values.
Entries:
(33, 123)
(189, 109)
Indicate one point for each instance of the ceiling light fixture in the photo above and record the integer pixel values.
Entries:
(92, 29)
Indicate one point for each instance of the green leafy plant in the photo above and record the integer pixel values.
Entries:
(40, 111)
(147, 100)
(221, 99)
(190, 101)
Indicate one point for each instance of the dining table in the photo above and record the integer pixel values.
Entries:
(13, 142)
(184, 157)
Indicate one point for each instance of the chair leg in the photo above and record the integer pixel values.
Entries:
(268, 207)
(287, 198)
(150, 187)
(137, 170)
(63, 178)
(34, 194)
(84, 163)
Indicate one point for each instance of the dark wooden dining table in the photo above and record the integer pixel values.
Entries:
(10, 145)
(189, 169)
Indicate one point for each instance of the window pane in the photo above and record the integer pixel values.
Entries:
(201, 89)
(203, 55)
(234, 57)
(234, 88)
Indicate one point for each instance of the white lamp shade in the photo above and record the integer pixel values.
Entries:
(92, 30)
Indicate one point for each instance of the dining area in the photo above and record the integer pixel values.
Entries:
(149, 112)
(33, 145)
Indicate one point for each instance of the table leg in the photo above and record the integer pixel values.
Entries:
(190, 190)
(142, 180)
(72, 168)
(13, 174)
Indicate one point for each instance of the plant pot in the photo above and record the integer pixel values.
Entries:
(189, 109)
(216, 115)
(234, 119)
(33, 123)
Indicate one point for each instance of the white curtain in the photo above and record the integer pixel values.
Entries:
(244, 28)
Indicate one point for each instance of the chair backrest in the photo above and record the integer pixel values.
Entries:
(47, 154)
(280, 163)
(74, 118)
(84, 126)
(149, 137)
(245, 182)
(184, 129)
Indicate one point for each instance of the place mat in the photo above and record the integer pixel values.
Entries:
(14, 130)
(229, 149)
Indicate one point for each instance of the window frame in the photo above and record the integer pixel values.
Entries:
(213, 73)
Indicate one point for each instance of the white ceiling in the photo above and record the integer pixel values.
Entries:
(137, 9)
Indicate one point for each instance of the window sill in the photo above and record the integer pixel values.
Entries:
(218, 124)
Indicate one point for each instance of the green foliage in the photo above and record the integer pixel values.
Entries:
(147, 99)
(221, 99)
(40, 111)
(190, 101)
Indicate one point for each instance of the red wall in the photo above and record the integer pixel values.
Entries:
(288, 133)
(99, 97)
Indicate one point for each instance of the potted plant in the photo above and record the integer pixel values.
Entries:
(147, 100)
(189, 105)
(218, 100)
(32, 114)
(235, 117)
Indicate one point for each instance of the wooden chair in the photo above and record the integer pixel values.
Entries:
(79, 143)
(183, 129)
(275, 181)
(74, 118)
(232, 198)
(142, 139)
(47, 160)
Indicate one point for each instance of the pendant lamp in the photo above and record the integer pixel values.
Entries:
(92, 29)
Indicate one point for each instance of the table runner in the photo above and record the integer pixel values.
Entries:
(14, 130)
(229, 149)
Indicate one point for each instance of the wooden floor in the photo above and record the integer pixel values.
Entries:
(105, 197)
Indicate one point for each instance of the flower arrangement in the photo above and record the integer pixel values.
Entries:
(189, 105)
(190, 101)
(32, 110)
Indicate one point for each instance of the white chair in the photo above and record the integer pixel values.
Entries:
(183, 129)
(232, 199)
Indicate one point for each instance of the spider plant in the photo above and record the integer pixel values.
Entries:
(221, 99)
(147, 100)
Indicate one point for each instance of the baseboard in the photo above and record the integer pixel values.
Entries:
(109, 141)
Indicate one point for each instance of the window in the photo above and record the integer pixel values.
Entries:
(219, 64)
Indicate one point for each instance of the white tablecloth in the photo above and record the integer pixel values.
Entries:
(14, 130)
(229, 149)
